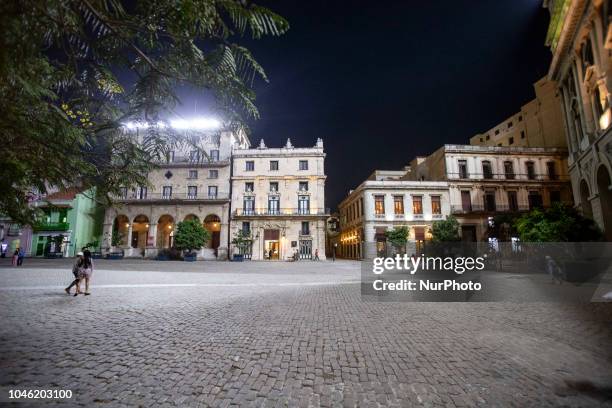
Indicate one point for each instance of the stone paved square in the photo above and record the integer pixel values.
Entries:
(281, 334)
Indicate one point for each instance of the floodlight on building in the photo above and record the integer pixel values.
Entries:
(195, 123)
(198, 123)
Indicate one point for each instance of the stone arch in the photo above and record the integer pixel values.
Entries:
(191, 217)
(212, 223)
(121, 225)
(140, 231)
(604, 185)
(165, 231)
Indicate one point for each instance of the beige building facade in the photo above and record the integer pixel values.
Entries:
(385, 201)
(186, 186)
(278, 200)
(580, 38)
(486, 181)
(539, 123)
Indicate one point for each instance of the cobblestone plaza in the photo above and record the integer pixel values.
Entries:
(288, 334)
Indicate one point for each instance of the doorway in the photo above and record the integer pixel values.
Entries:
(271, 244)
(468, 233)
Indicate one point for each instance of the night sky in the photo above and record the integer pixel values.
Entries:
(382, 82)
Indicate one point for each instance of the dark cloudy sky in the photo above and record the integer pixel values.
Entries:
(382, 82)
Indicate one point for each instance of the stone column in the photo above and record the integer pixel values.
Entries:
(151, 250)
(107, 237)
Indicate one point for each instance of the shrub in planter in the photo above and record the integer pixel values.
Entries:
(242, 242)
(169, 254)
(190, 236)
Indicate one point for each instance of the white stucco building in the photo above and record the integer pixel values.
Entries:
(185, 186)
(387, 200)
(278, 199)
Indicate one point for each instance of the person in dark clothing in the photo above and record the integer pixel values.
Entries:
(20, 256)
(75, 272)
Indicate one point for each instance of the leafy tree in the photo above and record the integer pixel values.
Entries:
(446, 230)
(190, 235)
(72, 71)
(560, 223)
(398, 237)
(241, 240)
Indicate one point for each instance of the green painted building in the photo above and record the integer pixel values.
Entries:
(72, 219)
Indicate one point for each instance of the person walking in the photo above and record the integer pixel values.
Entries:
(85, 272)
(15, 257)
(555, 272)
(3, 248)
(75, 272)
(20, 256)
(334, 251)
(316, 257)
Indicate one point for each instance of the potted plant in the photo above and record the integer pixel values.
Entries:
(398, 237)
(241, 241)
(116, 252)
(189, 237)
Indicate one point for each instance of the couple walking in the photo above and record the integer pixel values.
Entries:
(82, 269)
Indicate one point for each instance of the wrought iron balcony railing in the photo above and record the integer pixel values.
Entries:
(281, 212)
(175, 196)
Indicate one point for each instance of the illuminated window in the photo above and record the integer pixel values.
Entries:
(379, 205)
(398, 205)
(417, 205)
(436, 207)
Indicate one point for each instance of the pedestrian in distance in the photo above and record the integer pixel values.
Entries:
(3, 248)
(20, 256)
(85, 271)
(555, 272)
(316, 257)
(15, 257)
(334, 251)
(75, 272)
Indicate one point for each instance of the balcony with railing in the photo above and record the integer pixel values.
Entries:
(492, 208)
(51, 226)
(508, 177)
(174, 196)
(263, 212)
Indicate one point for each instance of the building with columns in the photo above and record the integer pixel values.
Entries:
(185, 186)
(387, 200)
(539, 123)
(580, 38)
(278, 199)
(485, 181)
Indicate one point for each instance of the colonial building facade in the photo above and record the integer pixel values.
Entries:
(580, 38)
(278, 199)
(386, 201)
(186, 186)
(485, 181)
